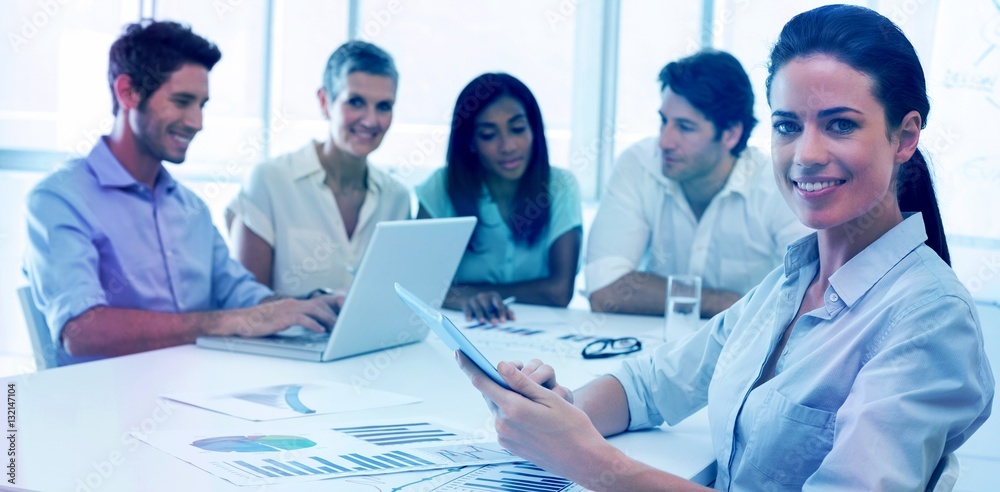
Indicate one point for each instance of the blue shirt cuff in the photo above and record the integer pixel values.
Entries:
(638, 411)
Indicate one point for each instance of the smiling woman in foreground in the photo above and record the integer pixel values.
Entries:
(858, 364)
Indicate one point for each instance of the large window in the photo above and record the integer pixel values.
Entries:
(441, 45)
(964, 84)
(653, 33)
(54, 56)
(299, 56)
(233, 114)
(584, 61)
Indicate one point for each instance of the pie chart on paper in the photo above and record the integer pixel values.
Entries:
(253, 444)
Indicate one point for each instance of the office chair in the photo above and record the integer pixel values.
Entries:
(38, 330)
(945, 475)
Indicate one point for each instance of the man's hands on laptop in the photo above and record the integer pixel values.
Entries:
(318, 313)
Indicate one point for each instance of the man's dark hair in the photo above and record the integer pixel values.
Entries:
(149, 52)
(715, 83)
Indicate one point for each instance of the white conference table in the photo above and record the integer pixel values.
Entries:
(74, 422)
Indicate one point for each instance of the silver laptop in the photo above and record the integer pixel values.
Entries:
(423, 254)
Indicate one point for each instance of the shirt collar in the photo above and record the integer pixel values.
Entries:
(743, 176)
(166, 180)
(305, 164)
(861, 273)
(800, 253)
(112, 174)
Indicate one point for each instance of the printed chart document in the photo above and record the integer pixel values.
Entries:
(518, 477)
(293, 400)
(366, 448)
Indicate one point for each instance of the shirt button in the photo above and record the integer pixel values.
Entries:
(834, 298)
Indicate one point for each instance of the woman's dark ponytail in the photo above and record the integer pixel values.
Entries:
(915, 193)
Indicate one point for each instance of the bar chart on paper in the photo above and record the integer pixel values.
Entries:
(313, 454)
(516, 477)
(395, 434)
(343, 464)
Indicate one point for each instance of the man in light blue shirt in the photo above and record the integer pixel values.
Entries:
(122, 258)
(886, 375)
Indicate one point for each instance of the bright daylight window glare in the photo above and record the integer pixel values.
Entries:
(56, 102)
(452, 42)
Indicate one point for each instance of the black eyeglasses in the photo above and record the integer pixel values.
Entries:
(610, 347)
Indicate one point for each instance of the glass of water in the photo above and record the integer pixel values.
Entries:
(683, 313)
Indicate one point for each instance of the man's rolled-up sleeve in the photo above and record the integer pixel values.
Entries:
(61, 261)
(620, 233)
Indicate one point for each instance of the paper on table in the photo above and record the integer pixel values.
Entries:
(281, 455)
(293, 400)
(507, 476)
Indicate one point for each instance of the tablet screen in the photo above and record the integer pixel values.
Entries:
(450, 333)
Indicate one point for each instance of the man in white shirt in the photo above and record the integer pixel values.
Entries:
(695, 201)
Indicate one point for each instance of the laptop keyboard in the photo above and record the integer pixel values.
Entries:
(311, 340)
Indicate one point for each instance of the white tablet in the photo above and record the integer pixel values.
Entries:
(450, 333)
